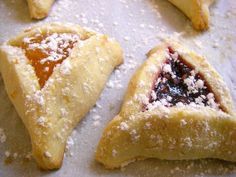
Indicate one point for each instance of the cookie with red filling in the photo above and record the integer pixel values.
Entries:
(176, 107)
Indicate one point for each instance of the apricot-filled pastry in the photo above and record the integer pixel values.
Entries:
(39, 8)
(196, 10)
(176, 107)
(53, 74)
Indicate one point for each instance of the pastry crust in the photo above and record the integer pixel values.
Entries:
(39, 8)
(196, 10)
(74, 91)
(171, 133)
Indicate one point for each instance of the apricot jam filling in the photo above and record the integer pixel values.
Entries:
(179, 84)
(45, 51)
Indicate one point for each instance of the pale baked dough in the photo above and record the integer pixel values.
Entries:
(39, 8)
(171, 133)
(75, 91)
(196, 10)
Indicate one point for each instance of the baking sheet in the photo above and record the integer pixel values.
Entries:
(138, 25)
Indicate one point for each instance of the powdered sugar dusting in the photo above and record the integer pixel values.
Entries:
(46, 51)
(3, 136)
(54, 46)
(124, 126)
(179, 85)
(66, 67)
(47, 154)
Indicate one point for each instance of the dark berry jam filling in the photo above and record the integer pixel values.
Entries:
(178, 84)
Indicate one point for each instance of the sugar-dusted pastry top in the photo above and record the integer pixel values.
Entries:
(179, 84)
(54, 73)
(176, 107)
(45, 51)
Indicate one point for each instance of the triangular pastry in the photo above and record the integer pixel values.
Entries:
(53, 74)
(39, 8)
(176, 107)
(196, 10)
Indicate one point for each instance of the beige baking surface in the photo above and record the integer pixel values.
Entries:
(138, 25)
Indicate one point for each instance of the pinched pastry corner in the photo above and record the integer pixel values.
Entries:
(176, 107)
(53, 74)
(39, 9)
(196, 10)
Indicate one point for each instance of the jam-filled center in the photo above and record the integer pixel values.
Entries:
(178, 84)
(45, 51)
